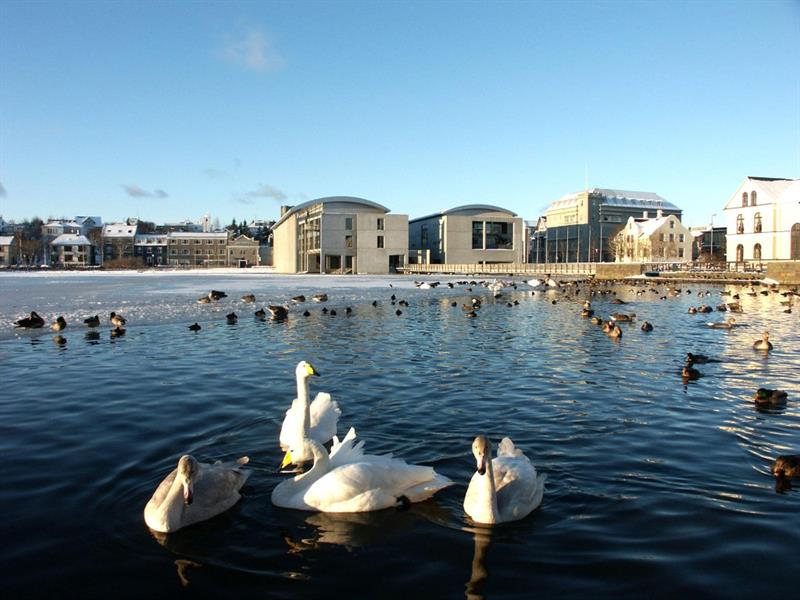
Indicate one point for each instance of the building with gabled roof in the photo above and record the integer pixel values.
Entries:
(468, 234)
(8, 254)
(658, 239)
(763, 220)
(71, 250)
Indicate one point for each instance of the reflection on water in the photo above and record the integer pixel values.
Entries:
(649, 479)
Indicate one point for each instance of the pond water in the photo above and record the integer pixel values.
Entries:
(654, 486)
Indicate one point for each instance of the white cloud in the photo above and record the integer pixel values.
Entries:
(267, 191)
(135, 191)
(255, 51)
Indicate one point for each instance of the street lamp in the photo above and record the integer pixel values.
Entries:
(711, 258)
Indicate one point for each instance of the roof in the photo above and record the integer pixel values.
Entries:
(119, 230)
(771, 190)
(71, 239)
(6, 240)
(622, 198)
(466, 208)
(198, 234)
(329, 200)
(150, 239)
(646, 227)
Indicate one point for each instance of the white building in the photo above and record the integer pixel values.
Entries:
(659, 239)
(72, 250)
(7, 254)
(763, 220)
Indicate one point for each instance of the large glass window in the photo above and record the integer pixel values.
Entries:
(423, 236)
(499, 236)
(477, 235)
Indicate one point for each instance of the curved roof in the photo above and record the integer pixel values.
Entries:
(328, 199)
(467, 208)
(645, 200)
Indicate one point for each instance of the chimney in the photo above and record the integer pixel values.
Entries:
(659, 213)
(285, 209)
(644, 215)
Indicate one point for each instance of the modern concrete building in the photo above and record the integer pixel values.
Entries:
(197, 249)
(578, 226)
(71, 250)
(658, 239)
(763, 220)
(470, 234)
(243, 252)
(339, 234)
(151, 249)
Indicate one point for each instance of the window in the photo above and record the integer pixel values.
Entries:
(209, 242)
(672, 224)
(380, 225)
(757, 252)
(663, 237)
(757, 222)
(499, 236)
(744, 198)
(348, 263)
(739, 253)
(198, 241)
(380, 241)
(739, 224)
(348, 223)
(753, 198)
(680, 252)
(348, 241)
(184, 241)
(423, 236)
(681, 237)
(477, 235)
(671, 237)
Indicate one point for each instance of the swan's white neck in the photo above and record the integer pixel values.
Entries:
(488, 493)
(302, 395)
(171, 510)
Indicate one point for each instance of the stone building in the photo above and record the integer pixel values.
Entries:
(659, 239)
(196, 249)
(243, 252)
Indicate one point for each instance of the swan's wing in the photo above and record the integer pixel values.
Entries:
(507, 448)
(161, 491)
(346, 451)
(519, 488)
(216, 488)
(291, 424)
(324, 417)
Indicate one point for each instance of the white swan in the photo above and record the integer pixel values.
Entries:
(195, 492)
(316, 420)
(504, 489)
(347, 480)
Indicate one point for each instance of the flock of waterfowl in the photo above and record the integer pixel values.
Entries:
(344, 478)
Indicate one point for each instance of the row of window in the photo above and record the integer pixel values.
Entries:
(756, 223)
(348, 241)
(740, 252)
(753, 198)
(348, 224)
(488, 235)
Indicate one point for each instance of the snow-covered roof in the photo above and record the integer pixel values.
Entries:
(84, 220)
(330, 200)
(197, 234)
(466, 208)
(71, 239)
(150, 239)
(119, 230)
(622, 198)
(6, 240)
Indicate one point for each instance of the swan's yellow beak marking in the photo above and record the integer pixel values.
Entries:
(311, 370)
(287, 460)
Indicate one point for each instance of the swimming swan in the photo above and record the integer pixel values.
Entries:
(506, 488)
(195, 492)
(350, 481)
(316, 420)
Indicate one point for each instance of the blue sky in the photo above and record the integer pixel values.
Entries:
(171, 110)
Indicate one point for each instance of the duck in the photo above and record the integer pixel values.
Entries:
(692, 310)
(502, 489)
(333, 312)
(315, 420)
(349, 481)
(231, 318)
(34, 321)
(763, 343)
(690, 373)
(320, 298)
(398, 312)
(260, 314)
(768, 396)
(195, 492)
(249, 298)
(60, 324)
(117, 320)
(92, 321)
(597, 320)
(216, 295)
(647, 326)
(278, 312)
(615, 331)
(471, 314)
(204, 300)
(787, 465)
(623, 317)
(728, 323)
(306, 313)
(699, 359)
(299, 299)
(195, 327)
